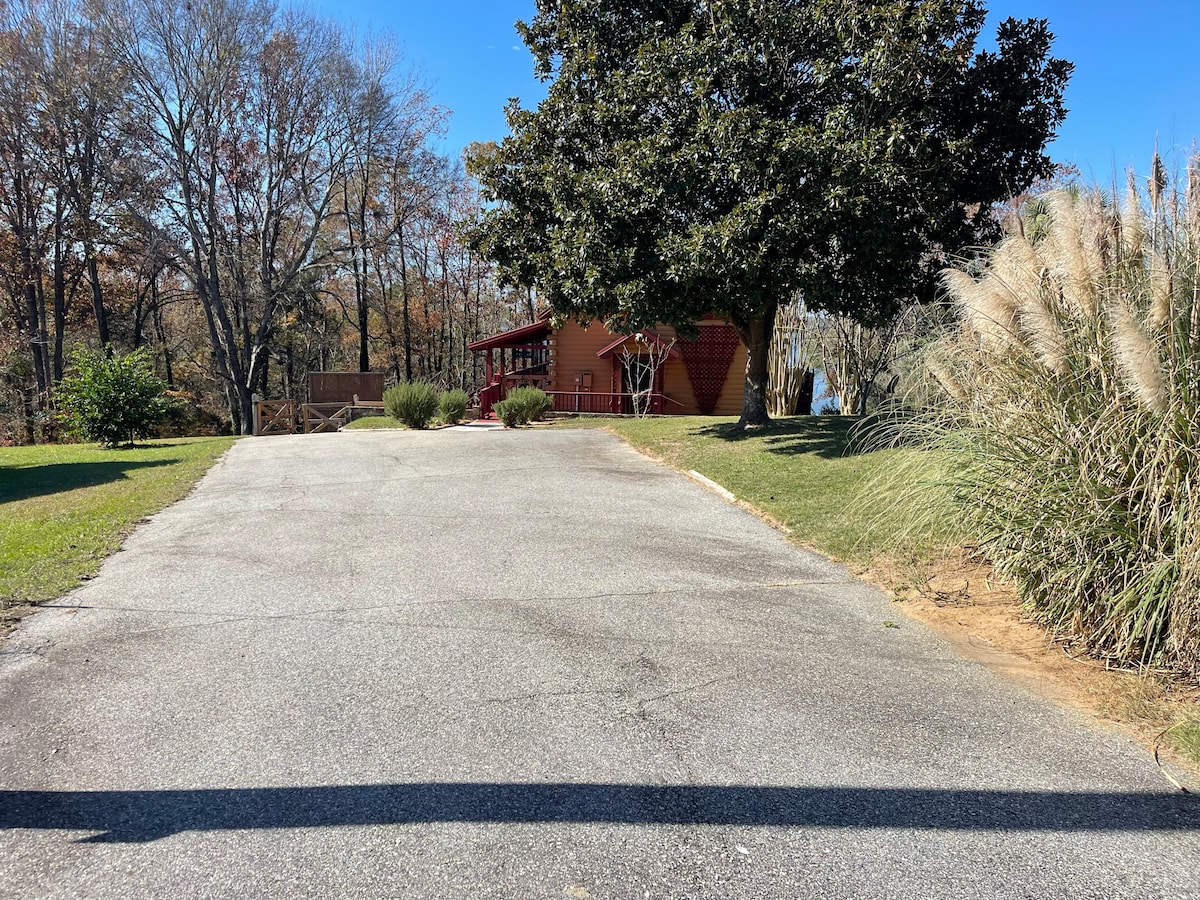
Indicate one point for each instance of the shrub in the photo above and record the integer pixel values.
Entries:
(413, 404)
(452, 406)
(532, 402)
(1066, 399)
(113, 400)
(522, 406)
(511, 414)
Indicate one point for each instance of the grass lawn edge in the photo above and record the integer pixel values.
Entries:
(107, 510)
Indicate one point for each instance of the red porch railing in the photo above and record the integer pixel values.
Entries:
(612, 404)
(597, 403)
(489, 397)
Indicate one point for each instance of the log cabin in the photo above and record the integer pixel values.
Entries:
(588, 369)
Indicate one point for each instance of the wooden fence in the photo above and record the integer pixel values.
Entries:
(342, 387)
(320, 418)
(290, 417)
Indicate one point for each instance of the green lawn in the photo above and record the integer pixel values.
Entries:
(1187, 737)
(800, 474)
(370, 422)
(63, 508)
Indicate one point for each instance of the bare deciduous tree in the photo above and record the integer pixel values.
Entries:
(251, 112)
(789, 370)
(858, 361)
(641, 368)
(232, 182)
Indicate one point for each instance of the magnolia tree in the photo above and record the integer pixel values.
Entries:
(694, 157)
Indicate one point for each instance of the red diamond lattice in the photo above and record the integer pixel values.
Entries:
(707, 360)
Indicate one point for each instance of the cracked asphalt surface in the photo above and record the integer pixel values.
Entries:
(531, 664)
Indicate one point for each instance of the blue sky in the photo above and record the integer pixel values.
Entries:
(1135, 74)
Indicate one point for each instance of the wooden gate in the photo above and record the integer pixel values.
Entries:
(290, 417)
(276, 417)
(322, 417)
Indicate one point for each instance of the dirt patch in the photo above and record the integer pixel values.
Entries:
(11, 616)
(961, 598)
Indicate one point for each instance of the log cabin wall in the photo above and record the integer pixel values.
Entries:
(678, 385)
(575, 351)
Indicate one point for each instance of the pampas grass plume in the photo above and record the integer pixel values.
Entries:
(1137, 359)
(1160, 292)
(1064, 253)
(1157, 182)
(988, 309)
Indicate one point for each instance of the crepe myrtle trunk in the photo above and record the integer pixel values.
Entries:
(755, 331)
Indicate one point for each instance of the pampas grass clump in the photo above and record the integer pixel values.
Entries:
(1068, 397)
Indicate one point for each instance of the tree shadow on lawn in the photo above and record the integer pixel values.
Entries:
(138, 816)
(36, 481)
(829, 437)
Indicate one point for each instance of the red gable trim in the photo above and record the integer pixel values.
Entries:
(521, 335)
(648, 336)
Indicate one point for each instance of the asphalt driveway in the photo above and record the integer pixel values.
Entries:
(489, 663)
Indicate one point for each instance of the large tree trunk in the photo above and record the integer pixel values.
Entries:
(405, 314)
(93, 277)
(161, 332)
(245, 399)
(756, 335)
(60, 300)
(364, 346)
(37, 341)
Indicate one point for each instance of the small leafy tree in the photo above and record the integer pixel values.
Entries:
(113, 400)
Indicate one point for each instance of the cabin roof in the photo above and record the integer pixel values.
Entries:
(514, 337)
(649, 337)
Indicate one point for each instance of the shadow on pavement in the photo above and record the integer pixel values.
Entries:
(140, 816)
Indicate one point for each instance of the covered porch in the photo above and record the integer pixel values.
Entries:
(520, 357)
(531, 356)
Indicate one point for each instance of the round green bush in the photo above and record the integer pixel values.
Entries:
(452, 406)
(414, 404)
(522, 406)
(113, 399)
